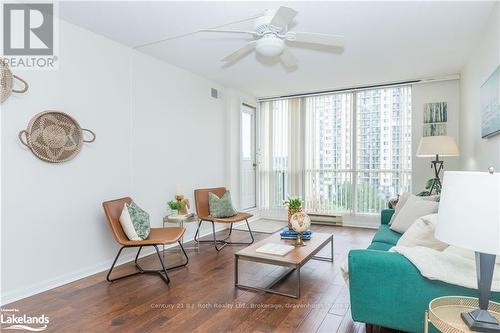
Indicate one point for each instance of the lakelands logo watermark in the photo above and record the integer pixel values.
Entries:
(29, 35)
(11, 319)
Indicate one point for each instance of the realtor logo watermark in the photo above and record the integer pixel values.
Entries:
(11, 319)
(30, 32)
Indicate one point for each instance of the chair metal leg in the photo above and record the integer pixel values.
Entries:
(162, 272)
(114, 263)
(223, 242)
(220, 241)
(197, 232)
(185, 256)
(242, 243)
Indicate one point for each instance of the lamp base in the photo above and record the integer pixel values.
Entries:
(481, 321)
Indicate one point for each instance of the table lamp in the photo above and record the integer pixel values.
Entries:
(473, 222)
(431, 146)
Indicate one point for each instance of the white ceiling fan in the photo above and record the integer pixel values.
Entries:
(271, 32)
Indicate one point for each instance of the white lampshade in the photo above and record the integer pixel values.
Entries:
(442, 145)
(469, 211)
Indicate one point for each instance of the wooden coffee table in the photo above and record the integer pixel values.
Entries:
(294, 260)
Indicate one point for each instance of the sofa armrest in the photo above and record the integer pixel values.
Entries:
(386, 289)
(383, 289)
(385, 215)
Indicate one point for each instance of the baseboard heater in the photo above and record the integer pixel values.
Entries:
(326, 219)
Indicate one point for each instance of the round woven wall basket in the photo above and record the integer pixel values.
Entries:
(54, 136)
(7, 82)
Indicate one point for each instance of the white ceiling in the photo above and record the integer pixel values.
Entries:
(385, 41)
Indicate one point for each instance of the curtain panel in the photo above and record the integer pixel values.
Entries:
(340, 153)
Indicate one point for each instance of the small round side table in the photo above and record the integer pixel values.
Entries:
(444, 313)
(181, 219)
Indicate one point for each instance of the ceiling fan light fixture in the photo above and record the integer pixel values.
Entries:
(270, 46)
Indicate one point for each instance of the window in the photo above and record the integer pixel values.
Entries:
(342, 153)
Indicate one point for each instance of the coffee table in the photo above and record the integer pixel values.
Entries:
(294, 260)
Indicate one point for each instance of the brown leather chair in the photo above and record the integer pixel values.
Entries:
(203, 212)
(157, 236)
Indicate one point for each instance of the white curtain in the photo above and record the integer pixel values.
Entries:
(295, 165)
(281, 161)
(264, 157)
(336, 158)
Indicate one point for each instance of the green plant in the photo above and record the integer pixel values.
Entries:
(428, 186)
(293, 203)
(175, 205)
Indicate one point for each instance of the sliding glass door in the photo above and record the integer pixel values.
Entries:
(342, 153)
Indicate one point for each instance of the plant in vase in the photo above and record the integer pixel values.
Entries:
(175, 205)
(180, 204)
(294, 206)
(433, 183)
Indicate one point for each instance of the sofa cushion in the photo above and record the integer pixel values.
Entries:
(380, 246)
(386, 235)
(414, 208)
(421, 233)
(221, 207)
(135, 222)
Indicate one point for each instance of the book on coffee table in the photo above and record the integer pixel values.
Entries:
(275, 249)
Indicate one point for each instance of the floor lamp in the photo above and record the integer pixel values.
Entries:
(435, 146)
(473, 222)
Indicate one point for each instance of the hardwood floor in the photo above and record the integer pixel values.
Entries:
(202, 298)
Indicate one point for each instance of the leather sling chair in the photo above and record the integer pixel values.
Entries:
(157, 236)
(203, 212)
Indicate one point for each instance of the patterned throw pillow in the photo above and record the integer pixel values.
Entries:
(135, 222)
(221, 207)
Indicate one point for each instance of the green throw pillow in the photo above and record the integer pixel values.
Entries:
(221, 207)
(140, 220)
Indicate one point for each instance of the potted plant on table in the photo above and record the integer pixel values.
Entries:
(294, 206)
(174, 205)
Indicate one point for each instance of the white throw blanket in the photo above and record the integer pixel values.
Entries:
(453, 265)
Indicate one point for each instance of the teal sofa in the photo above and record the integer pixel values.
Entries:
(387, 290)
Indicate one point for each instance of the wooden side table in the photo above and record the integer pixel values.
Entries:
(444, 313)
(181, 219)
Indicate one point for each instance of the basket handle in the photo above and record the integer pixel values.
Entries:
(93, 135)
(23, 82)
(20, 136)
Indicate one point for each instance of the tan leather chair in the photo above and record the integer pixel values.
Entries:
(157, 236)
(203, 212)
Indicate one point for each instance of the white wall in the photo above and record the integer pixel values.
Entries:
(157, 126)
(429, 92)
(178, 135)
(53, 228)
(477, 153)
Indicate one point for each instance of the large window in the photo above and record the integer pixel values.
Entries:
(342, 153)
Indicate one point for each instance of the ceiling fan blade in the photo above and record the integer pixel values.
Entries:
(253, 33)
(283, 16)
(288, 59)
(315, 38)
(240, 52)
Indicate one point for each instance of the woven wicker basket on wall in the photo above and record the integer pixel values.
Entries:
(7, 82)
(54, 136)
